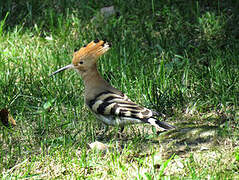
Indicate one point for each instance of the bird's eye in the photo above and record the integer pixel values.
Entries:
(81, 62)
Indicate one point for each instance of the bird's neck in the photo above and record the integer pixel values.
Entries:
(93, 82)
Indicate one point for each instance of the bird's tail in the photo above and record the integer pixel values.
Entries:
(160, 124)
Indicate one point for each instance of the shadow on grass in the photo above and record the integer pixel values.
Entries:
(192, 138)
(188, 137)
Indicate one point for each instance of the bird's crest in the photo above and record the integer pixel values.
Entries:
(91, 51)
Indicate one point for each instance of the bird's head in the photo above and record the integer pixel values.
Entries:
(86, 57)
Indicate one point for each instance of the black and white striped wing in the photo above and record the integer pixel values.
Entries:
(118, 109)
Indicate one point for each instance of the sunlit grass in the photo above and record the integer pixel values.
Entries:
(180, 60)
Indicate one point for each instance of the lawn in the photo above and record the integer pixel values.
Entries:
(179, 58)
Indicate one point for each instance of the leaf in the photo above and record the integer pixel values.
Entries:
(99, 146)
(48, 104)
(107, 11)
(6, 118)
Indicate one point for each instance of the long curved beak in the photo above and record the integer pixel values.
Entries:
(70, 66)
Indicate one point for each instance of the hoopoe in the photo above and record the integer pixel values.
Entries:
(109, 104)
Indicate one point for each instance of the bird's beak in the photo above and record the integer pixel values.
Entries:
(70, 66)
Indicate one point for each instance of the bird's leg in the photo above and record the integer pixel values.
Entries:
(121, 129)
(102, 135)
(120, 132)
(106, 128)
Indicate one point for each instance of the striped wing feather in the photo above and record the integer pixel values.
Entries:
(119, 105)
(109, 103)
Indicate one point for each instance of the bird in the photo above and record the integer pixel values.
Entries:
(109, 104)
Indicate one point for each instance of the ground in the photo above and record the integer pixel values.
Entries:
(179, 58)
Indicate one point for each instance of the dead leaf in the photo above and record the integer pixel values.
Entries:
(6, 118)
(107, 11)
(99, 146)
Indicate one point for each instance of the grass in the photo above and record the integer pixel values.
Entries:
(179, 58)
